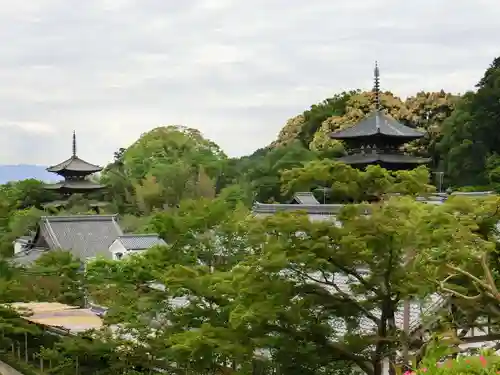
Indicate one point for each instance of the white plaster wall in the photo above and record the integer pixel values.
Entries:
(117, 247)
(18, 247)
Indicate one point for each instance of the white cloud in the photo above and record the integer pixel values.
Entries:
(113, 69)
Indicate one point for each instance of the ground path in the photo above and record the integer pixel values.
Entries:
(5, 369)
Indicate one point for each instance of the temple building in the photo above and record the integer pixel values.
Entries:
(377, 139)
(75, 172)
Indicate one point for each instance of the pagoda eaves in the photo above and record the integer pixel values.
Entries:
(78, 186)
(74, 171)
(379, 123)
(378, 139)
(74, 166)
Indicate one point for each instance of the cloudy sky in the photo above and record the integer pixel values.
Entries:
(236, 70)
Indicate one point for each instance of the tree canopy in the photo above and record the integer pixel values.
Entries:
(237, 293)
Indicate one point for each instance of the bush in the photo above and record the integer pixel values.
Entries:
(21, 366)
(480, 364)
(442, 357)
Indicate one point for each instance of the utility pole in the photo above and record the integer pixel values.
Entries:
(439, 180)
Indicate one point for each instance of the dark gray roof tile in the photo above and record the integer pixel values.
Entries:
(140, 241)
(378, 122)
(74, 185)
(369, 158)
(27, 257)
(86, 236)
(75, 164)
(271, 208)
(305, 198)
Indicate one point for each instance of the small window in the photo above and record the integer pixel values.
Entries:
(118, 256)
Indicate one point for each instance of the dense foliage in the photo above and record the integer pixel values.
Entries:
(232, 293)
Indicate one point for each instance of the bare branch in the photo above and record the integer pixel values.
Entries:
(460, 295)
(346, 297)
(356, 275)
(489, 276)
(471, 276)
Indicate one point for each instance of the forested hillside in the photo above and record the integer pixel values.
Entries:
(173, 163)
(264, 304)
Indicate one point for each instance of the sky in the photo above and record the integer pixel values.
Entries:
(236, 70)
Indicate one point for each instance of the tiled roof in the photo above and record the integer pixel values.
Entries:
(74, 164)
(23, 239)
(369, 158)
(28, 256)
(378, 122)
(140, 241)
(86, 236)
(305, 198)
(271, 208)
(74, 185)
(317, 211)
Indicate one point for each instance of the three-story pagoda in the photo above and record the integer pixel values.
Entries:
(377, 139)
(75, 172)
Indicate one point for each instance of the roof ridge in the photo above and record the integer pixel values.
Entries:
(50, 231)
(327, 205)
(139, 235)
(79, 218)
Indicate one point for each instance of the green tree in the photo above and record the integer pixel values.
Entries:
(470, 276)
(202, 237)
(469, 136)
(262, 170)
(168, 144)
(352, 185)
(291, 296)
(54, 277)
(163, 167)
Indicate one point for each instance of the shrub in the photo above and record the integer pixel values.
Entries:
(481, 364)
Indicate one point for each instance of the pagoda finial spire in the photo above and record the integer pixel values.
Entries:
(74, 143)
(376, 87)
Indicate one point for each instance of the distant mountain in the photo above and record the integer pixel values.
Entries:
(25, 171)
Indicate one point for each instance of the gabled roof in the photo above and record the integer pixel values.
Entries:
(140, 241)
(74, 164)
(85, 236)
(22, 240)
(378, 123)
(304, 198)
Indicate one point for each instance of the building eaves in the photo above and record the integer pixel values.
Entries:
(305, 198)
(326, 209)
(378, 123)
(140, 241)
(369, 158)
(86, 236)
(74, 164)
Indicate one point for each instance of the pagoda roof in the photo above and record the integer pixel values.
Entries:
(383, 158)
(82, 185)
(74, 164)
(375, 123)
